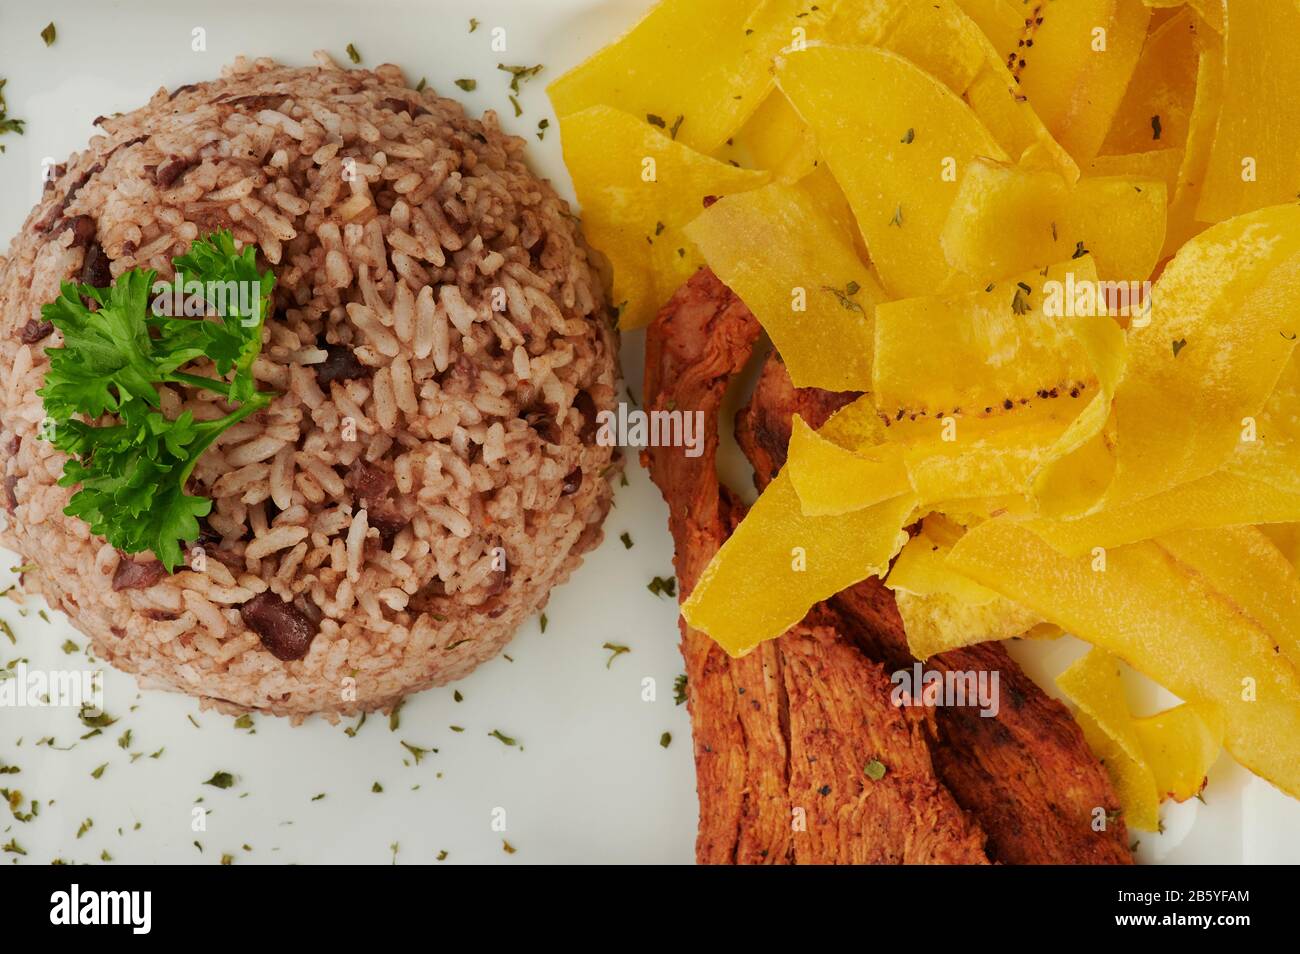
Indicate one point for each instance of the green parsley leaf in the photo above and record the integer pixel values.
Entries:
(661, 586)
(416, 751)
(132, 473)
(49, 35)
(679, 689)
(7, 124)
(519, 74)
(221, 780)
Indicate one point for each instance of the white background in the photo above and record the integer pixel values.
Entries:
(591, 783)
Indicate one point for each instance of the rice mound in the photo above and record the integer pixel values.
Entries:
(333, 575)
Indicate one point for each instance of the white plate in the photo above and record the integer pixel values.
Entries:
(591, 782)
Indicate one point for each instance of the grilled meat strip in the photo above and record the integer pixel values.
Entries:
(1026, 774)
(782, 736)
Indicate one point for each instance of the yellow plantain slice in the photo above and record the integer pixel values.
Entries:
(1247, 568)
(985, 389)
(779, 563)
(832, 479)
(937, 36)
(800, 276)
(1253, 161)
(1152, 758)
(1210, 11)
(1093, 684)
(942, 609)
(1269, 448)
(706, 61)
(1220, 500)
(1135, 784)
(1011, 120)
(1157, 105)
(1007, 219)
(1286, 537)
(1181, 745)
(947, 43)
(897, 140)
(1075, 73)
(1001, 21)
(1210, 355)
(637, 187)
(953, 459)
(776, 139)
(1164, 620)
(1183, 225)
(976, 351)
(1162, 164)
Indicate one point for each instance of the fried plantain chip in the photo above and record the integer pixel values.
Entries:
(799, 275)
(1220, 500)
(779, 562)
(1212, 344)
(637, 188)
(1157, 106)
(1166, 621)
(1253, 160)
(833, 479)
(1181, 745)
(896, 140)
(1152, 758)
(1006, 219)
(1208, 101)
(705, 61)
(1162, 164)
(941, 608)
(977, 351)
(1093, 684)
(1075, 65)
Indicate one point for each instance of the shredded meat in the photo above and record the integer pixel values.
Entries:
(1026, 774)
(782, 735)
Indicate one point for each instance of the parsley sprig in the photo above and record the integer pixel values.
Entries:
(132, 467)
(7, 124)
